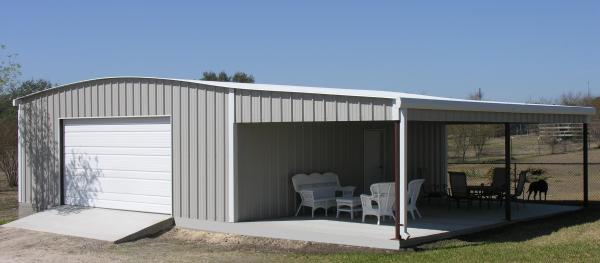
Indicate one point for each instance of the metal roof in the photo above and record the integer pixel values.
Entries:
(406, 100)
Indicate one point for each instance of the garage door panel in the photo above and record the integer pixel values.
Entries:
(118, 185)
(129, 139)
(160, 200)
(125, 127)
(165, 176)
(127, 122)
(119, 162)
(146, 151)
(154, 208)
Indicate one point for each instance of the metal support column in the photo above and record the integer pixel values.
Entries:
(396, 157)
(585, 165)
(507, 160)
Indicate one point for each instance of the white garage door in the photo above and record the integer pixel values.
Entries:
(120, 163)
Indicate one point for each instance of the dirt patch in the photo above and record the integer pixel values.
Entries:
(238, 242)
(177, 245)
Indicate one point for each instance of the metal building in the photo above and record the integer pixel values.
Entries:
(218, 151)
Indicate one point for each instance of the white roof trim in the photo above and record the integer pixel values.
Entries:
(407, 100)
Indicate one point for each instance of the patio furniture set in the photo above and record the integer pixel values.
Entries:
(496, 191)
(323, 191)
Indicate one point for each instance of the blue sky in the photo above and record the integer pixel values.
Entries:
(512, 50)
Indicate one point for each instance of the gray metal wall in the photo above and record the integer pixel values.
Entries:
(270, 154)
(270, 106)
(427, 154)
(492, 117)
(199, 118)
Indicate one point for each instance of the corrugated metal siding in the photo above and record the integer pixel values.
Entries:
(198, 126)
(269, 106)
(491, 117)
(427, 154)
(265, 188)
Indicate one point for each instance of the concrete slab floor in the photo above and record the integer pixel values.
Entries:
(438, 222)
(95, 223)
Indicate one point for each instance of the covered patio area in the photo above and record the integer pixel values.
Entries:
(365, 141)
(437, 223)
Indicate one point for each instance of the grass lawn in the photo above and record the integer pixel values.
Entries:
(8, 201)
(569, 238)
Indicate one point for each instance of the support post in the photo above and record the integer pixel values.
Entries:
(586, 200)
(403, 174)
(396, 158)
(232, 186)
(507, 160)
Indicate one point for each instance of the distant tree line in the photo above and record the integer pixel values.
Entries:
(476, 137)
(240, 77)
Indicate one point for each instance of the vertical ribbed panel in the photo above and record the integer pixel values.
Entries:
(198, 114)
(426, 153)
(271, 106)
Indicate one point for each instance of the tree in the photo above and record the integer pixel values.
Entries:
(479, 136)
(240, 77)
(459, 136)
(9, 73)
(10, 90)
(209, 75)
(223, 77)
(576, 99)
(9, 70)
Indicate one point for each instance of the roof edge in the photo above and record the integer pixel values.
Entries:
(407, 100)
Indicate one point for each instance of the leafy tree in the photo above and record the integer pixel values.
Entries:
(240, 77)
(9, 70)
(9, 90)
(209, 75)
(223, 77)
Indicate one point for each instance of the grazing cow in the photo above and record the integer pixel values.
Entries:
(536, 187)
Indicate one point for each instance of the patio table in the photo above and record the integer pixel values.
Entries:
(482, 192)
(348, 204)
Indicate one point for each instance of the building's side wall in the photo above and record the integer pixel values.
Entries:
(199, 117)
(270, 106)
(492, 117)
(270, 154)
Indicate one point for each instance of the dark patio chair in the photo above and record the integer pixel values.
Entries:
(520, 187)
(458, 189)
(498, 183)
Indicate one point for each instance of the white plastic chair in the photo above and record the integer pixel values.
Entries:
(414, 188)
(383, 195)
